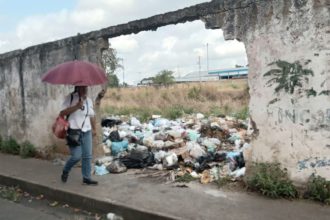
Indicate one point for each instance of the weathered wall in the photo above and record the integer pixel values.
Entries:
(29, 106)
(287, 43)
(292, 112)
(290, 41)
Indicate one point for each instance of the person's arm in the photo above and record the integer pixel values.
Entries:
(93, 123)
(72, 109)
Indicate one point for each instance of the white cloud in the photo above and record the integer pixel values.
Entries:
(107, 4)
(174, 47)
(125, 44)
(3, 43)
(89, 17)
(230, 49)
(169, 43)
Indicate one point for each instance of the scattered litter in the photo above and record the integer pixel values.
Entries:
(116, 167)
(112, 216)
(170, 160)
(206, 177)
(53, 204)
(100, 170)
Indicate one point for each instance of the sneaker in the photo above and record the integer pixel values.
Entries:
(89, 182)
(64, 176)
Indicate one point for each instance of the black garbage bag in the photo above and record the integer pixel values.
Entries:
(204, 162)
(220, 157)
(114, 136)
(240, 160)
(110, 122)
(138, 159)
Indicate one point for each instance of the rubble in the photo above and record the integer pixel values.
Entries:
(192, 147)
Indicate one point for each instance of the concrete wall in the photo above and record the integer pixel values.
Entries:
(29, 106)
(287, 43)
(293, 117)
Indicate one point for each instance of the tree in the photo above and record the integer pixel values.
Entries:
(110, 63)
(113, 81)
(164, 77)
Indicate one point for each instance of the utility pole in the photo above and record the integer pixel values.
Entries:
(207, 57)
(123, 72)
(199, 69)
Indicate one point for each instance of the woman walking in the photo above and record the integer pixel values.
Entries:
(78, 109)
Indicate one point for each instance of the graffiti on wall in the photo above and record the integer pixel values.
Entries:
(288, 76)
(312, 163)
(320, 118)
(291, 78)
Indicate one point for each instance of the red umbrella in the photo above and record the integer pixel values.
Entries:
(77, 73)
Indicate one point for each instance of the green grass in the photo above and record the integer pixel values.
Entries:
(27, 150)
(10, 146)
(144, 114)
(318, 189)
(242, 113)
(186, 178)
(10, 193)
(270, 180)
(194, 93)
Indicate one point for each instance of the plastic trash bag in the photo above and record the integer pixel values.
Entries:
(161, 122)
(170, 160)
(110, 122)
(135, 122)
(117, 167)
(193, 135)
(138, 159)
(199, 116)
(100, 170)
(195, 150)
(115, 136)
(118, 147)
(238, 173)
(159, 156)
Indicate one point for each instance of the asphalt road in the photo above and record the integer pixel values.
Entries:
(23, 211)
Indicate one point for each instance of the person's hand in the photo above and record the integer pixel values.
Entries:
(80, 104)
(94, 132)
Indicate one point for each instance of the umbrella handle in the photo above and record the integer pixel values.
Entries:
(82, 107)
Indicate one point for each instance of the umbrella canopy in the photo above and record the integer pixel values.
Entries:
(77, 73)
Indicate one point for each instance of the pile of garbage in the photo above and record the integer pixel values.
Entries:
(193, 146)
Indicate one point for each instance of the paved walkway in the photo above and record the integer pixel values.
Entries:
(141, 198)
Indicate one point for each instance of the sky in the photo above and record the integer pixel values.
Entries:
(175, 47)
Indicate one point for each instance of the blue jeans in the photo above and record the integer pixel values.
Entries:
(84, 152)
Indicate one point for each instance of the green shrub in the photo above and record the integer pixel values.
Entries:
(10, 146)
(173, 112)
(318, 188)
(143, 114)
(227, 109)
(194, 93)
(271, 180)
(186, 178)
(234, 86)
(188, 110)
(216, 111)
(11, 193)
(224, 181)
(27, 150)
(243, 113)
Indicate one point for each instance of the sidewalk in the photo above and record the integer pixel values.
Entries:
(136, 198)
